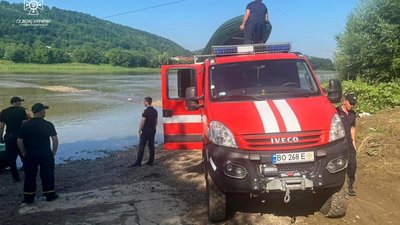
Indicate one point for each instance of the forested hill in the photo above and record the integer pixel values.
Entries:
(77, 37)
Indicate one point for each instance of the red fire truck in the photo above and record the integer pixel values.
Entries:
(263, 122)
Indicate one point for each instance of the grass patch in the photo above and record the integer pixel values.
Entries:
(7, 67)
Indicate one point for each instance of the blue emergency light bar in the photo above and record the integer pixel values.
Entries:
(250, 49)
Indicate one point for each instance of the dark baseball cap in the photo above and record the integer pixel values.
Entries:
(39, 107)
(352, 98)
(16, 99)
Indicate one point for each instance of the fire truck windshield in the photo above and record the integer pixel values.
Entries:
(269, 79)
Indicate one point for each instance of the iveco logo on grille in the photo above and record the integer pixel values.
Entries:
(284, 140)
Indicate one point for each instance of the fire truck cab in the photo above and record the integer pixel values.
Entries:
(263, 122)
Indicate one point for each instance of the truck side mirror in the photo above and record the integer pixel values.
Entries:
(335, 91)
(192, 101)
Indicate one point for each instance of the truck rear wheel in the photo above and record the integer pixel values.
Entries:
(336, 205)
(216, 201)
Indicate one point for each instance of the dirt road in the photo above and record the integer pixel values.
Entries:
(106, 191)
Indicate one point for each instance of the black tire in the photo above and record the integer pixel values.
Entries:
(216, 201)
(336, 205)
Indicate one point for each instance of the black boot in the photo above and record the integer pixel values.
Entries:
(350, 190)
(51, 196)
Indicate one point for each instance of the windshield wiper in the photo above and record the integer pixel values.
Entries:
(303, 94)
(238, 96)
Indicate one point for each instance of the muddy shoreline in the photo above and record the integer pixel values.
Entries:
(107, 191)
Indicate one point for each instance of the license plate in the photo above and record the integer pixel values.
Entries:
(295, 157)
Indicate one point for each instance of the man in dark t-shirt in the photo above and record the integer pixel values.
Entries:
(254, 20)
(12, 118)
(348, 117)
(34, 143)
(147, 131)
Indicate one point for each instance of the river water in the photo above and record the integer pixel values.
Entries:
(93, 114)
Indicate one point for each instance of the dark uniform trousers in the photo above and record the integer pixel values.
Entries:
(352, 165)
(144, 139)
(12, 153)
(253, 32)
(32, 163)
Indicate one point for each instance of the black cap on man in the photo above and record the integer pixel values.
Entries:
(39, 107)
(16, 99)
(352, 98)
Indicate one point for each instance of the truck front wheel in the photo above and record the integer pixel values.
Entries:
(336, 205)
(216, 201)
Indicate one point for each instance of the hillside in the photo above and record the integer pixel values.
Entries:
(78, 37)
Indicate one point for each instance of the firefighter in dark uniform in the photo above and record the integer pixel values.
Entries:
(254, 21)
(147, 132)
(12, 118)
(348, 117)
(34, 143)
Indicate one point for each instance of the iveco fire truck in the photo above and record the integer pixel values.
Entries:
(265, 126)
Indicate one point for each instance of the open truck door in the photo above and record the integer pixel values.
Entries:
(182, 126)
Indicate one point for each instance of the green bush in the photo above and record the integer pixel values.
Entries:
(373, 98)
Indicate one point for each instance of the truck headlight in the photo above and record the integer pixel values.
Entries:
(337, 130)
(220, 135)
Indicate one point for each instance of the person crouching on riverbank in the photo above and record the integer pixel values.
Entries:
(147, 132)
(34, 144)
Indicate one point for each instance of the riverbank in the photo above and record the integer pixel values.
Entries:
(107, 191)
(7, 67)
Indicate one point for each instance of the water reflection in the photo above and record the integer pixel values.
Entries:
(93, 114)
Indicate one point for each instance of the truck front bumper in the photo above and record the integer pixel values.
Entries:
(239, 171)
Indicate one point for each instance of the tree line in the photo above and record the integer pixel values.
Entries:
(42, 54)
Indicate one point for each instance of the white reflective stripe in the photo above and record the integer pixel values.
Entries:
(183, 119)
(213, 164)
(289, 118)
(267, 117)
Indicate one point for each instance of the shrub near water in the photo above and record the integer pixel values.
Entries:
(372, 98)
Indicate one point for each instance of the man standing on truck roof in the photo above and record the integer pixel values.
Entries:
(254, 21)
(12, 118)
(348, 117)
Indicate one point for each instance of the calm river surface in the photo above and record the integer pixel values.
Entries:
(93, 114)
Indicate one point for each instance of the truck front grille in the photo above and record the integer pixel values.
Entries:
(307, 167)
(282, 141)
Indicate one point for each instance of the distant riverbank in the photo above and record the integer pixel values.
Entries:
(7, 67)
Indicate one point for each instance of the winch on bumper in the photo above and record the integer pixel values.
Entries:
(239, 171)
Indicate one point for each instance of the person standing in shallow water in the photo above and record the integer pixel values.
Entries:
(34, 144)
(147, 132)
(254, 21)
